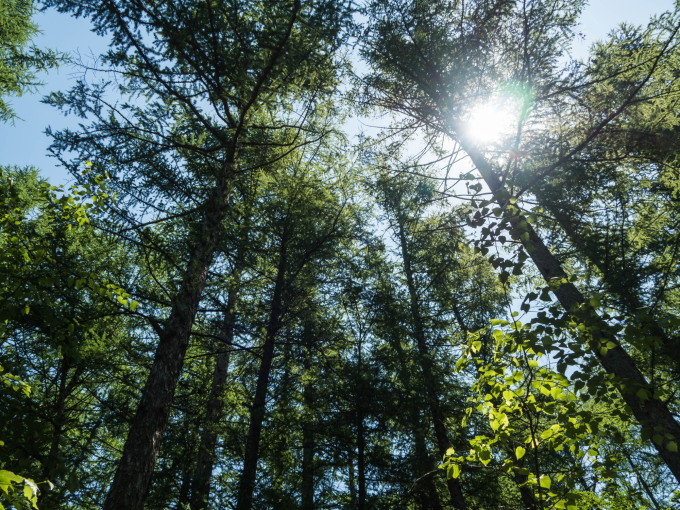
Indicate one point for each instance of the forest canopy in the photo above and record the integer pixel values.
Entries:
(242, 300)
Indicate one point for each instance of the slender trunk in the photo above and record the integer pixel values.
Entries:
(427, 367)
(201, 480)
(360, 423)
(351, 481)
(307, 466)
(200, 486)
(247, 482)
(185, 487)
(527, 495)
(652, 414)
(57, 420)
(307, 425)
(428, 497)
(361, 453)
(643, 482)
(277, 465)
(135, 468)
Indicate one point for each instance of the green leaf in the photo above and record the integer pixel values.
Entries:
(545, 481)
(519, 452)
(7, 477)
(29, 489)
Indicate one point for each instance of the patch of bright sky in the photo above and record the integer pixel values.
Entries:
(25, 142)
(602, 16)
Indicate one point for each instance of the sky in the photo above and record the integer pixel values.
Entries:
(25, 142)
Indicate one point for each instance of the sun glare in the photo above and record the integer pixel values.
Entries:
(493, 121)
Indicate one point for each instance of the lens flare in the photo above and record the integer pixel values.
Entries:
(494, 121)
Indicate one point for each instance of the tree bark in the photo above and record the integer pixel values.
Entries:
(308, 426)
(135, 468)
(362, 503)
(427, 366)
(200, 486)
(187, 472)
(307, 465)
(247, 482)
(651, 413)
(58, 419)
(428, 496)
(351, 482)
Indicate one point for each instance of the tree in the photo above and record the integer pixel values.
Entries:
(615, 204)
(57, 274)
(307, 222)
(433, 59)
(275, 325)
(222, 84)
(398, 206)
(200, 484)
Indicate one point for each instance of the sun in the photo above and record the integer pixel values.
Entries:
(492, 122)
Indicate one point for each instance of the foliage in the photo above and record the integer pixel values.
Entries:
(16, 491)
(233, 307)
(19, 61)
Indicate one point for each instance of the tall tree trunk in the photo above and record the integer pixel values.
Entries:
(247, 482)
(427, 366)
(58, 421)
(135, 468)
(200, 486)
(308, 399)
(186, 462)
(641, 478)
(651, 413)
(428, 496)
(277, 465)
(307, 465)
(360, 415)
(351, 479)
(527, 495)
(201, 480)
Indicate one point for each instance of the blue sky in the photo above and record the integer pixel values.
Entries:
(25, 143)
